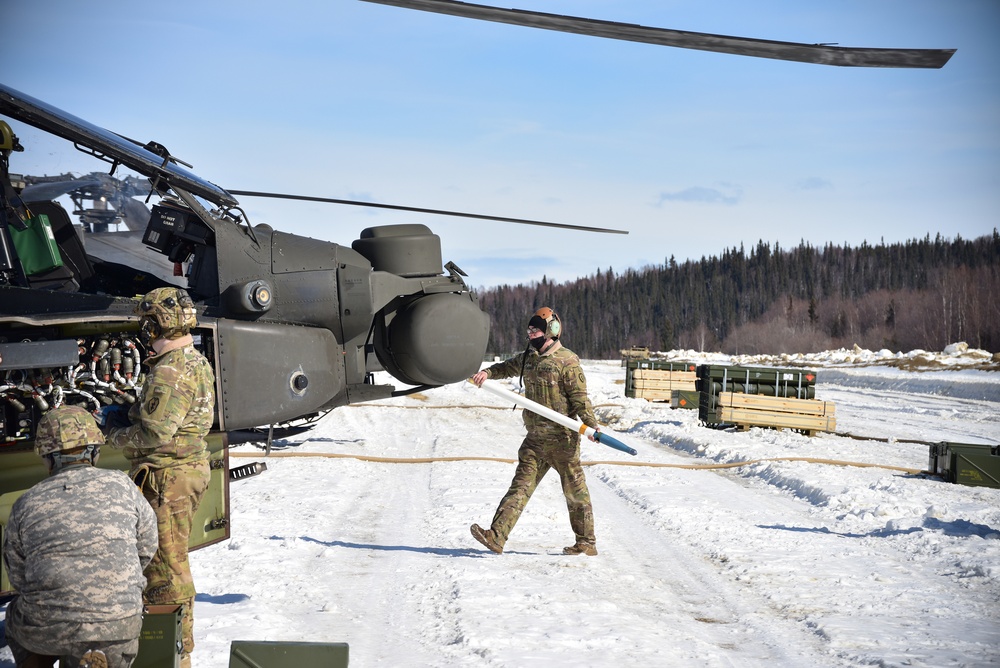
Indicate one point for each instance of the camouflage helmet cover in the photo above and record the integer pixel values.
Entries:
(66, 428)
(172, 309)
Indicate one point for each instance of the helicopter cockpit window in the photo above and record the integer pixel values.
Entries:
(86, 220)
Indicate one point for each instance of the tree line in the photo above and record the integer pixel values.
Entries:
(921, 294)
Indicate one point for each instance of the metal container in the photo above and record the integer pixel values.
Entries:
(966, 463)
(160, 641)
(254, 654)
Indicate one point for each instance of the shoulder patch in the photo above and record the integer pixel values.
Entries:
(156, 403)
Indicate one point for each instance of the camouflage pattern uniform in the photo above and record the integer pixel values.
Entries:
(166, 447)
(554, 379)
(75, 548)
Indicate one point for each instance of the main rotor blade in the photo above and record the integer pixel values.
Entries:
(106, 145)
(134, 214)
(396, 207)
(820, 54)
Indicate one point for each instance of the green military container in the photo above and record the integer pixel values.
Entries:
(264, 654)
(685, 399)
(966, 463)
(160, 641)
(713, 379)
(36, 245)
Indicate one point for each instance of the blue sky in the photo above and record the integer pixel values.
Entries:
(692, 152)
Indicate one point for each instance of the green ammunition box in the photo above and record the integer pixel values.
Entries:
(252, 654)
(36, 246)
(758, 380)
(685, 399)
(160, 640)
(966, 463)
(661, 365)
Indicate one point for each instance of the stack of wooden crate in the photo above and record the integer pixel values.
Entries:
(656, 380)
(762, 397)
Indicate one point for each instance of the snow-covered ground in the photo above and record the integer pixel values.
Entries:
(776, 563)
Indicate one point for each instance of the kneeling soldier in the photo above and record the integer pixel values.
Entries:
(75, 547)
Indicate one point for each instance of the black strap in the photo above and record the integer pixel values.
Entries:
(524, 360)
(21, 212)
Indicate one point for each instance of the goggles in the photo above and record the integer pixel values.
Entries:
(147, 306)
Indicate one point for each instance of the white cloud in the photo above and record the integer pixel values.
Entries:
(729, 195)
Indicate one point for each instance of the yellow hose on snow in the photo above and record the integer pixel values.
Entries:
(504, 460)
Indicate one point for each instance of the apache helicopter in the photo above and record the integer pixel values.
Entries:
(293, 326)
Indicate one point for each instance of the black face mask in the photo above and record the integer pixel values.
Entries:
(537, 343)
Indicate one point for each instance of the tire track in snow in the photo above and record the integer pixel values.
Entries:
(646, 529)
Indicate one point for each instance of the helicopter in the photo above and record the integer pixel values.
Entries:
(292, 326)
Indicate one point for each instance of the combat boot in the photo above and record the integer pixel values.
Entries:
(487, 537)
(94, 658)
(581, 548)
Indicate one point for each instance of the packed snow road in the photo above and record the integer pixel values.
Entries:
(781, 563)
(388, 565)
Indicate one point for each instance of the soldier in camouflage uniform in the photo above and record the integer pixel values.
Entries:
(552, 377)
(166, 444)
(75, 548)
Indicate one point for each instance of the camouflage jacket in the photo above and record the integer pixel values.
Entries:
(554, 379)
(76, 545)
(174, 412)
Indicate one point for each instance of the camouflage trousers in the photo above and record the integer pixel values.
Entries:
(36, 645)
(535, 457)
(175, 494)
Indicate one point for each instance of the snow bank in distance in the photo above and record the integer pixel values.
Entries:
(954, 356)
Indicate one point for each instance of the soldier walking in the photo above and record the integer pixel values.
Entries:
(75, 548)
(165, 444)
(554, 378)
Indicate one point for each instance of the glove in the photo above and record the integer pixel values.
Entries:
(111, 417)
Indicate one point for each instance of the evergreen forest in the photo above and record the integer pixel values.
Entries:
(921, 294)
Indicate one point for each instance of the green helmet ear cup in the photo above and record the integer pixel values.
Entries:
(548, 321)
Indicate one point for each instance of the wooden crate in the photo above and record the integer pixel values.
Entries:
(658, 384)
(755, 410)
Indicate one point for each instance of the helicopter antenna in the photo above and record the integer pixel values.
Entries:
(440, 212)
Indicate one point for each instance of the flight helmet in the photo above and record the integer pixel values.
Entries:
(166, 313)
(547, 321)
